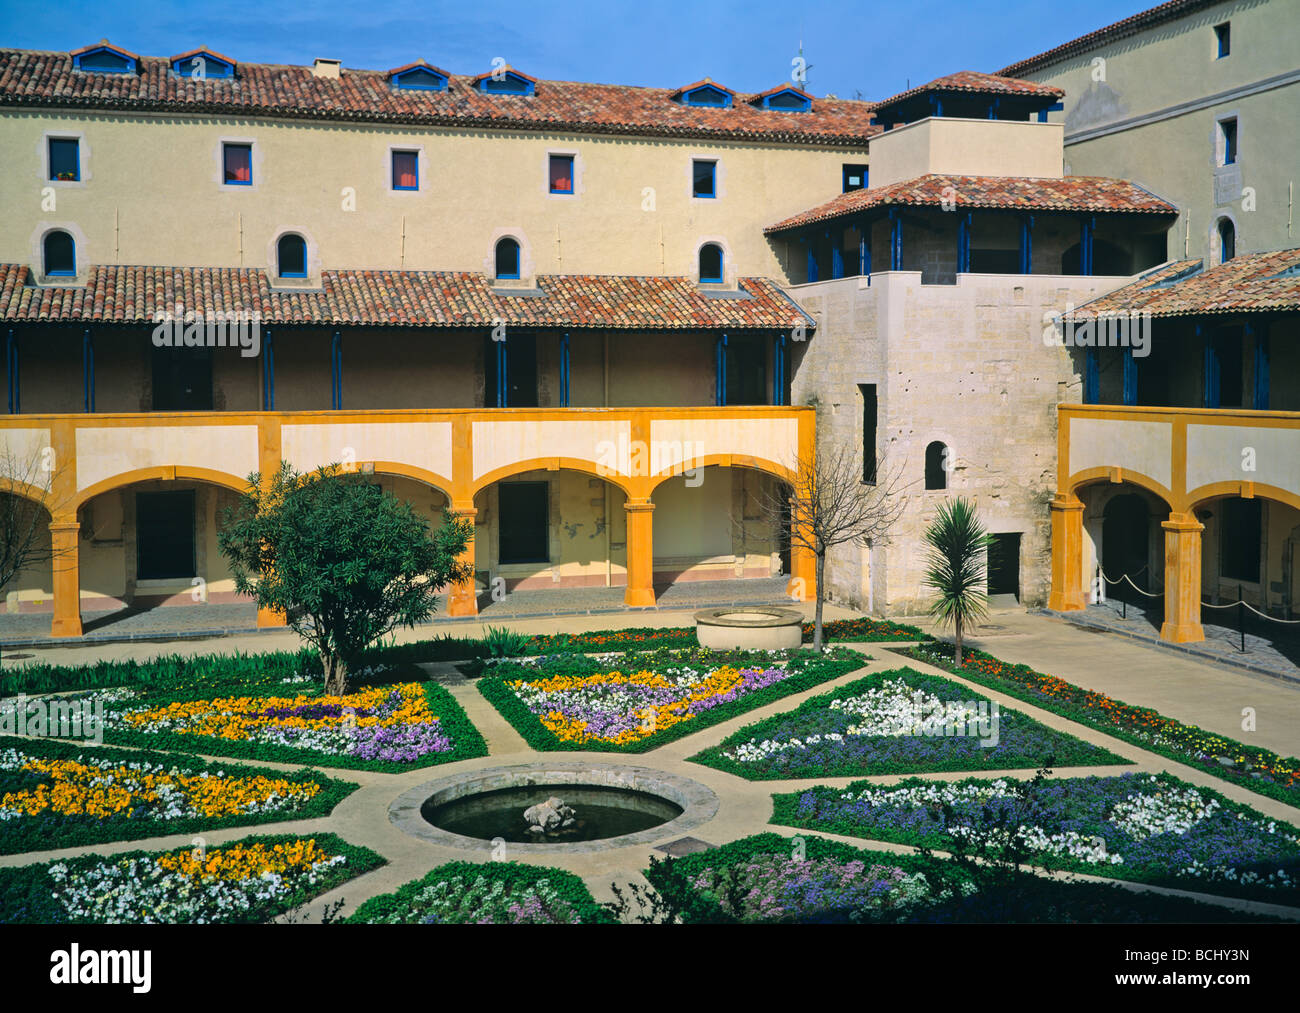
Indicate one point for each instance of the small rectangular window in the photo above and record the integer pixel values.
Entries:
(406, 170)
(1228, 142)
(705, 176)
(561, 174)
(237, 164)
(855, 177)
(1223, 38)
(869, 417)
(65, 160)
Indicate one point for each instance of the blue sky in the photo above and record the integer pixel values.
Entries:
(875, 48)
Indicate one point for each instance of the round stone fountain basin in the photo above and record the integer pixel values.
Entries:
(749, 628)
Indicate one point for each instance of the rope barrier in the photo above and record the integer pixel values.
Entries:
(1204, 604)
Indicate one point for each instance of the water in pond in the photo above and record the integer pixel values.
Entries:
(601, 812)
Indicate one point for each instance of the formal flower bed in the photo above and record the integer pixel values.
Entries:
(57, 795)
(1145, 827)
(386, 727)
(773, 879)
(640, 700)
(252, 880)
(495, 893)
(1251, 767)
(896, 722)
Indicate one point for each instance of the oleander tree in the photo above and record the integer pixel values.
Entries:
(956, 567)
(831, 503)
(346, 562)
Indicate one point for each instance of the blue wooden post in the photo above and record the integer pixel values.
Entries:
(268, 372)
(812, 259)
(1086, 230)
(1261, 368)
(778, 370)
(864, 250)
(837, 256)
(1130, 377)
(1027, 245)
(895, 240)
(87, 371)
(1091, 377)
(336, 371)
(1211, 371)
(11, 367)
(503, 389)
(564, 370)
(720, 350)
(963, 243)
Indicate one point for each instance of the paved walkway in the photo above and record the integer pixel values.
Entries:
(744, 806)
(174, 622)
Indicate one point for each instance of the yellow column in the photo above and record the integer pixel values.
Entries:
(268, 463)
(1067, 554)
(462, 598)
(1182, 579)
(640, 553)
(65, 536)
(803, 563)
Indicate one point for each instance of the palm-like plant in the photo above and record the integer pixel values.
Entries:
(955, 568)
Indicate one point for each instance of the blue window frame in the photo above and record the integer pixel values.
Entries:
(561, 174)
(406, 170)
(855, 177)
(509, 83)
(1223, 39)
(1227, 240)
(710, 263)
(707, 95)
(1228, 134)
(507, 258)
(65, 158)
(237, 164)
(291, 256)
(104, 60)
(203, 65)
(60, 253)
(704, 175)
(789, 100)
(420, 79)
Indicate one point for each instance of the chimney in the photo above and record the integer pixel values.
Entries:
(326, 68)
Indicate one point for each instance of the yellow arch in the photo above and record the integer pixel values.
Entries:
(553, 464)
(429, 478)
(762, 464)
(1217, 490)
(166, 473)
(1095, 476)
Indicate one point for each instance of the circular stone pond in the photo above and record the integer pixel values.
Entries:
(612, 807)
(749, 628)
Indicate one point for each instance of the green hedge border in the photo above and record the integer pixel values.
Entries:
(1086, 716)
(1079, 753)
(467, 742)
(26, 892)
(784, 807)
(568, 885)
(537, 735)
(1109, 903)
(49, 833)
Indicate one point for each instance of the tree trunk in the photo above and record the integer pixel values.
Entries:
(336, 674)
(958, 651)
(821, 597)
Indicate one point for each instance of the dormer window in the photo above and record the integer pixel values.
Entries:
(418, 76)
(706, 93)
(104, 59)
(785, 99)
(504, 81)
(202, 64)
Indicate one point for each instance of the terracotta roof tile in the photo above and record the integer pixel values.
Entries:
(1072, 193)
(1255, 282)
(118, 294)
(44, 79)
(976, 83)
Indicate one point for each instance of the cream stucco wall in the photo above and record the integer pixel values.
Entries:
(950, 145)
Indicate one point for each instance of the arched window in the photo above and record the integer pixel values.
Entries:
(507, 258)
(1227, 240)
(936, 466)
(710, 262)
(291, 256)
(60, 254)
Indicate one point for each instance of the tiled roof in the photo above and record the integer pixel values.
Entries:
(1111, 33)
(1243, 284)
(1072, 193)
(976, 83)
(203, 51)
(43, 79)
(119, 294)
